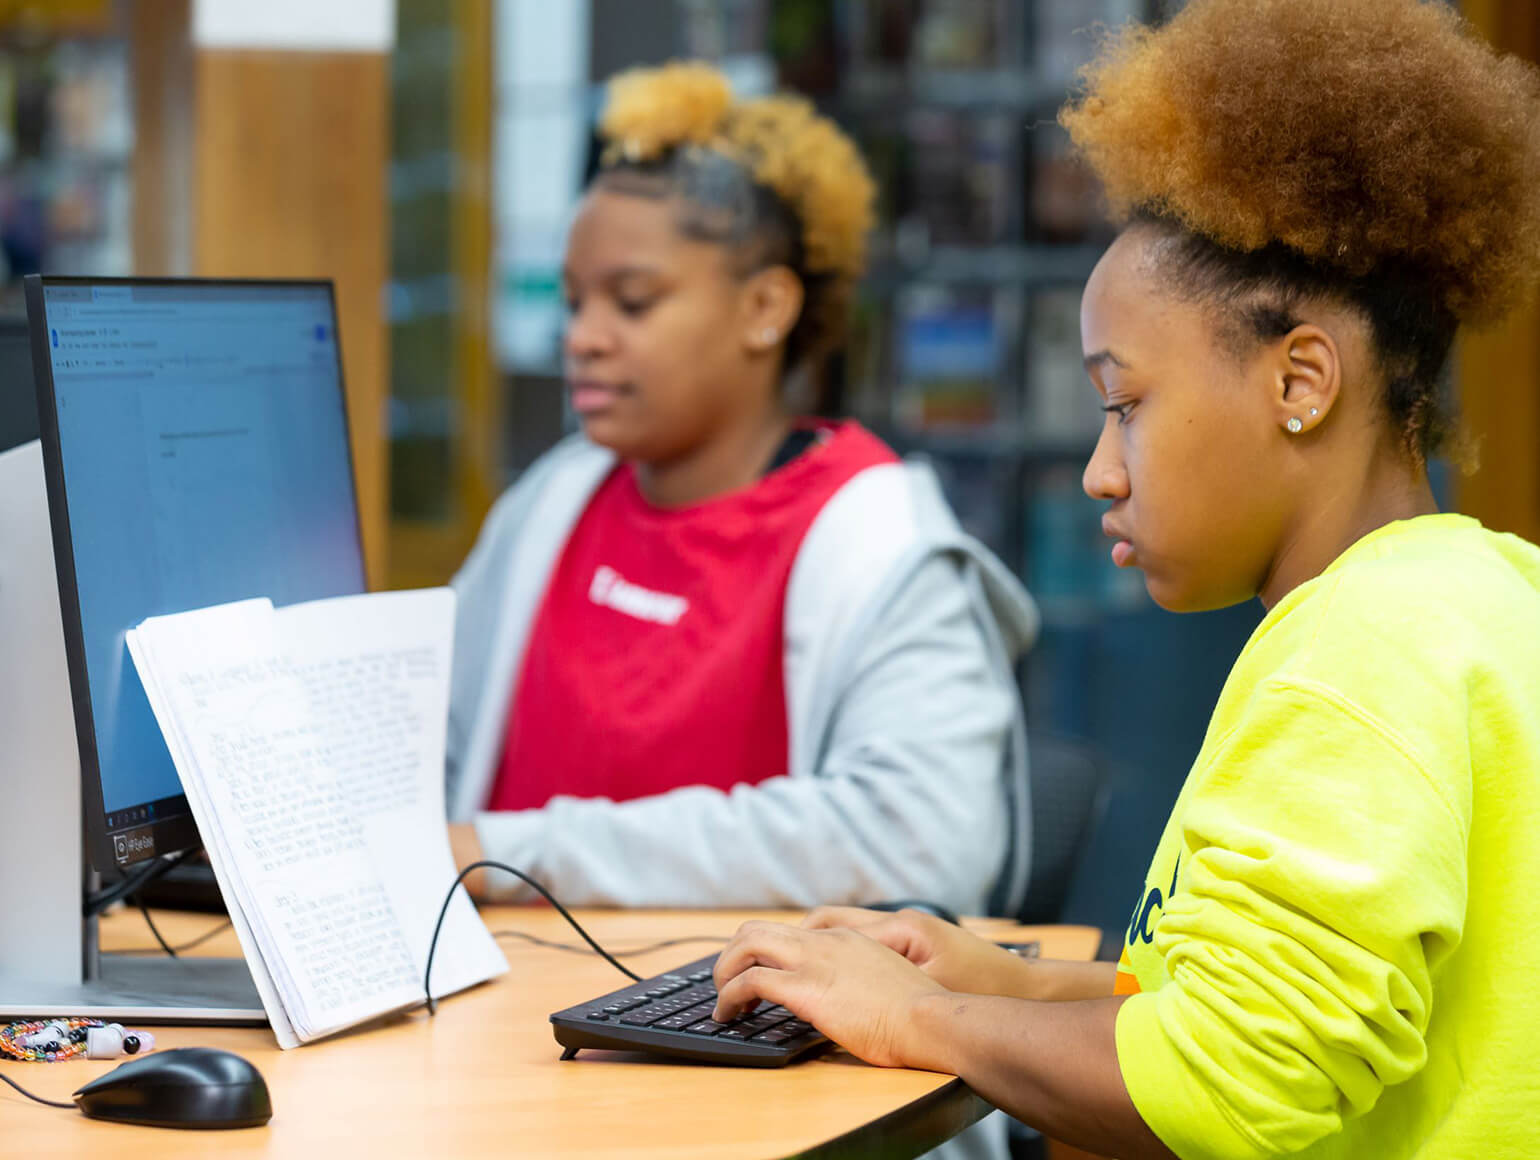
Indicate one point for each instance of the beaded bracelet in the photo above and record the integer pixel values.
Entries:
(50, 1040)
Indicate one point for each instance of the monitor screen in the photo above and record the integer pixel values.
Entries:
(196, 445)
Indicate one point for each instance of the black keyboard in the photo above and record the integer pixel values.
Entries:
(670, 1014)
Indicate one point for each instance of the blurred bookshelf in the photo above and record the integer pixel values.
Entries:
(966, 344)
(444, 400)
(66, 141)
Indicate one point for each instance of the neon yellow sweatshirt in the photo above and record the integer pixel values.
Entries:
(1337, 944)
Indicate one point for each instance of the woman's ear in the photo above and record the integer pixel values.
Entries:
(1306, 377)
(772, 304)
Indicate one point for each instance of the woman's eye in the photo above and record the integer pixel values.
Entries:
(1121, 410)
(634, 306)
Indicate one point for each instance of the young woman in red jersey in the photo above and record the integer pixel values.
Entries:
(711, 653)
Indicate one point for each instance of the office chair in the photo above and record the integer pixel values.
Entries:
(1068, 796)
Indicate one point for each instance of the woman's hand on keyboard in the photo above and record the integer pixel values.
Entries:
(957, 959)
(852, 988)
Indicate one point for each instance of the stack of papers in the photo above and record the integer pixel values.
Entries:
(310, 743)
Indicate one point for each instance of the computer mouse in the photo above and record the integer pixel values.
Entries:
(919, 904)
(184, 1087)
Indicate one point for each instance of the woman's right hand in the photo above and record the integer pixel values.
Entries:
(957, 959)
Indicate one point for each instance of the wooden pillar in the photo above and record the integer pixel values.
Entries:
(1498, 371)
(290, 172)
(273, 163)
(162, 165)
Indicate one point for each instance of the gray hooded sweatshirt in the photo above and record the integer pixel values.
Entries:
(907, 769)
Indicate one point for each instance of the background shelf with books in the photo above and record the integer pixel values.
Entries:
(66, 143)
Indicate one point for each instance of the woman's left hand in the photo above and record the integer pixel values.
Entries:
(850, 987)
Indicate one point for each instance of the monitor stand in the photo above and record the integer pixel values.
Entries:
(49, 963)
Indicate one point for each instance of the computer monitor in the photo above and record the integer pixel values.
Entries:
(195, 441)
(193, 449)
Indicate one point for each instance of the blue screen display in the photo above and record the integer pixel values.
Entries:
(204, 444)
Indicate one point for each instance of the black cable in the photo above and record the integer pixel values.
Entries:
(102, 899)
(185, 947)
(427, 974)
(204, 937)
(578, 949)
(30, 1096)
(135, 882)
(155, 930)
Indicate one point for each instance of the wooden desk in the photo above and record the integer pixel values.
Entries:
(482, 1078)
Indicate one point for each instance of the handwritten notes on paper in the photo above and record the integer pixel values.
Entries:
(310, 741)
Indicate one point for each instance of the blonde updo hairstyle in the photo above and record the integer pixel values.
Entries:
(769, 178)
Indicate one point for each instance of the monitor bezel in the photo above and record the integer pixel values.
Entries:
(179, 832)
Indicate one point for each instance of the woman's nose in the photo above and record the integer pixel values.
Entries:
(1105, 475)
(586, 335)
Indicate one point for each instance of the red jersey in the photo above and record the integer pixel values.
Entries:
(654, 661)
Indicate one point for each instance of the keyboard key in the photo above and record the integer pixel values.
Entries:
(762, 1022)
(675, 1010)
(643, 1018)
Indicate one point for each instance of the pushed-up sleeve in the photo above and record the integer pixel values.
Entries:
(1322, 879)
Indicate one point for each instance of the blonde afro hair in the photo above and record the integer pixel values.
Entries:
(1363, 135)
(650, 111)
(685, 114)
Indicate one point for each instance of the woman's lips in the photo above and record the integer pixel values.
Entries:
(589, 397)
(1123, 550)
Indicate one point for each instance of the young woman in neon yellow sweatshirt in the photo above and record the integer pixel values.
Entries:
(1334, 951)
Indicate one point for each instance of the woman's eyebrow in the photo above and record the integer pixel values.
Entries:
(617, 273)
(1102, 357)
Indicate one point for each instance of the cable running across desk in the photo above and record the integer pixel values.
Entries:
(30, 1096)
(427, 975)
(173, 951)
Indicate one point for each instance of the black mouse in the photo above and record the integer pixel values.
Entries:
(919, 904)
(184, 1087)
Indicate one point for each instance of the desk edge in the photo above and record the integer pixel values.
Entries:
(909, 1131)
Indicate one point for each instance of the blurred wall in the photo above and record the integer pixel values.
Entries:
(1498, 372)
